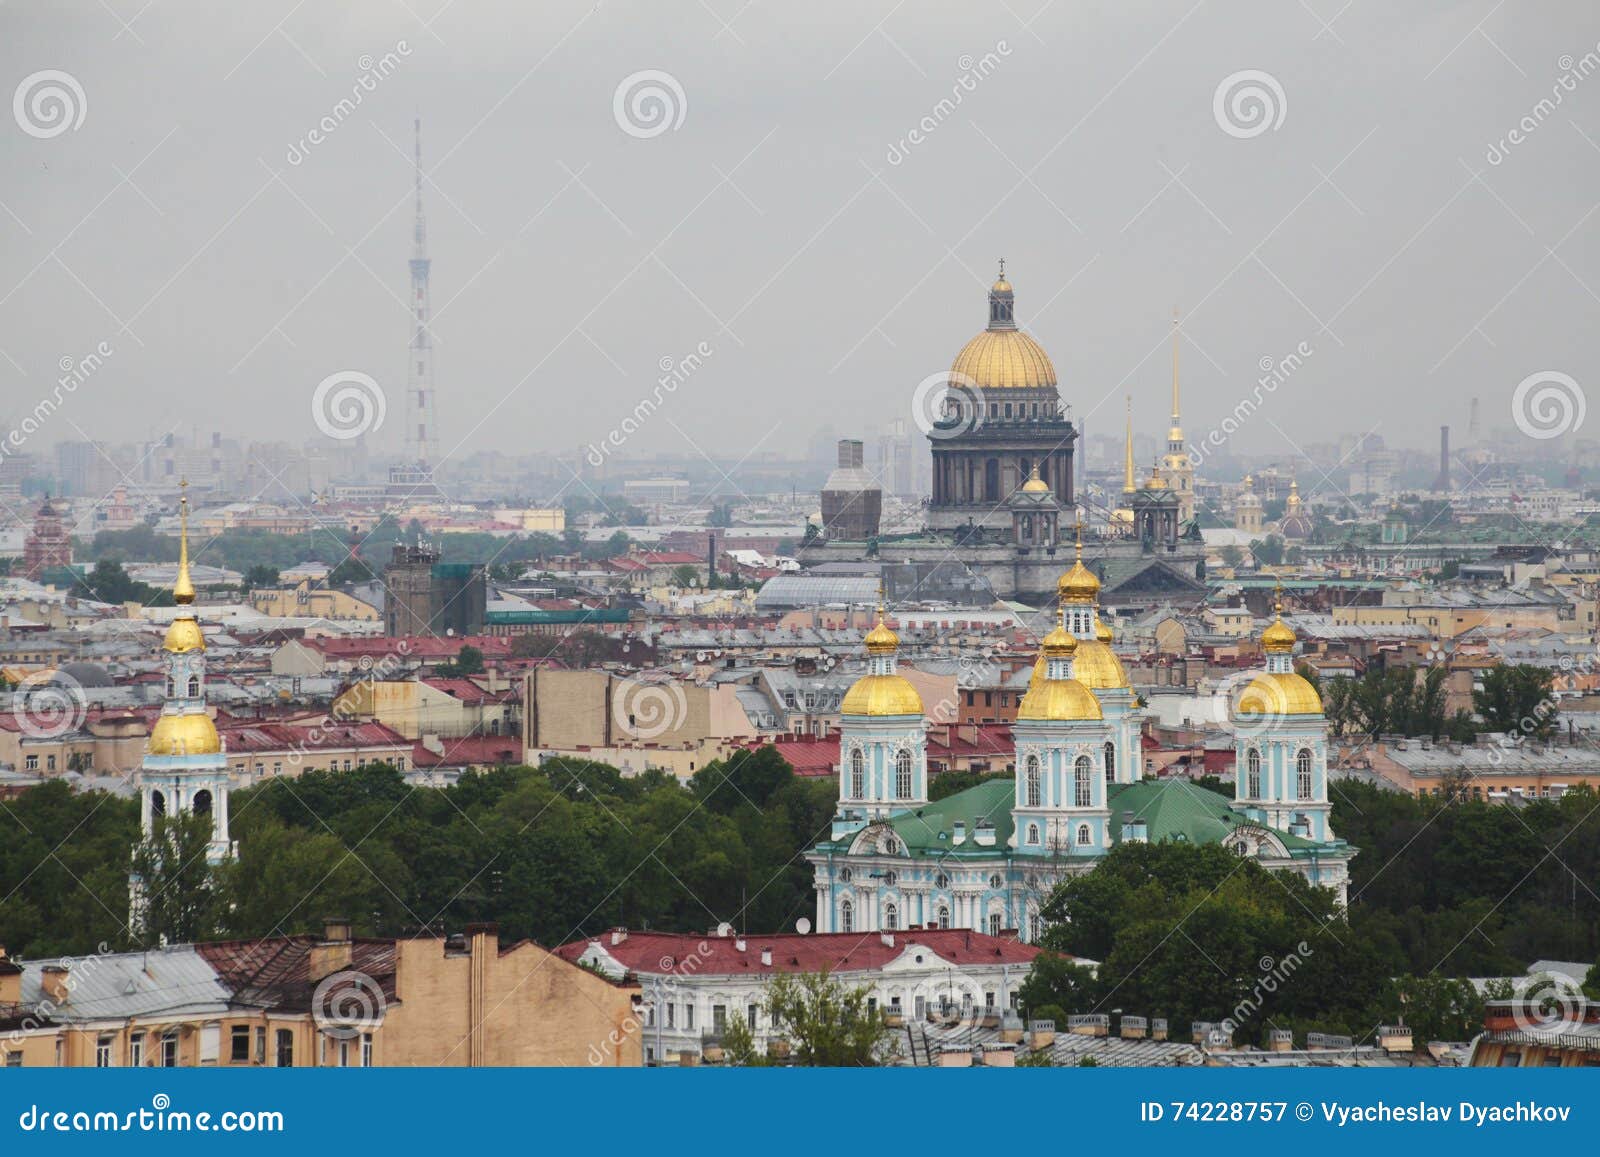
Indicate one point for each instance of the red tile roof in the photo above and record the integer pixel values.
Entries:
(469, 692)
(248, 738)
(650, 952)
(470, 751)
(277, 972)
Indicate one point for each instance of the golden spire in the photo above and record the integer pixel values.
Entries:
(183, 588)
(1128, 485)
(1176, 434)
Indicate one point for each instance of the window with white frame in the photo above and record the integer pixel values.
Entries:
(1082, 783)
(1031, 787)
(1252, 774)
(1302, 776)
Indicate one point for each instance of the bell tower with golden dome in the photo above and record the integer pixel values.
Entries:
(882, 748)
(185, 771)
(1281, 745)
(1002, 425)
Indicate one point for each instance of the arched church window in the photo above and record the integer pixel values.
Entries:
(891, 917)
(1082, 788)
(172, 688)
(202, 802)
(1084, 838)
(997, 881)
(844, 875)
(194, 686)
(941, 881)
(858, 775)
(890, 879)
(902, 774)
(1252, 779)
(1033, 834)
(847, 916)
(1111, 762)
(158, 804)
(1031, 794)
(1033, 927)
(1302, 769)
(944, 916)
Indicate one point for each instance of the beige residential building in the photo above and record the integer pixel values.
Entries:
(307, 601)
(450, 708)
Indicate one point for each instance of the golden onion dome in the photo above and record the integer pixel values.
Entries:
(1103, 632)
(183, 636)
(1078, 585)
(1097, 667)
(1277, 639)
(881, 695)
(1060, 700)
(1272, 694)
(1004, 359)
(1058, 644)
(881, 640)
(184, 735)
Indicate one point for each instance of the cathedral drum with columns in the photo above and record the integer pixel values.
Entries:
(988, 858)
(1003, 424)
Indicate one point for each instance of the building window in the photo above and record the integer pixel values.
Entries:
(1252, 780)
(847, 916)
(285, 1049)
(239, 1045)
(1302, 769)
(169, 1050)
(194, 687)
(902, 774)
(366, 1050)
(858, 775)
(719, 1018)
(13, 1060)
(845, 875)
(344, 1054)
(49, 763)
(994, 930)
(891, 918)
(1032, 788)
(751, 1011)
(944, 916)
(102, 1052)
(1033, 834)
(941, 881)
(672, 1016)
(1033, 927)
(688, 1017)
(1082, 788)
(261, 1046)
(1084, 838)
(136, 1051)
(1111, 762)
(997, 881)
(31, 763)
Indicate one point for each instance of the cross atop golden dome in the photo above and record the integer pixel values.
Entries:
(1278, 638)
(881, 640)
(1002, 357)
(1078, 585)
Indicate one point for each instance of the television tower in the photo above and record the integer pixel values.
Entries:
(422, 437)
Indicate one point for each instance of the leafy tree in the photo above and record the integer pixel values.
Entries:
(1516, 700)
(1438, 1007)
(739, 1045)
(469, 660)
(351, 571)
(260, 577)
(948, 783)
(1232, 556)
(181, 897)
(1267, 551)
(826, 1023)
(109, 583)
(1055, 983)
(685, 576)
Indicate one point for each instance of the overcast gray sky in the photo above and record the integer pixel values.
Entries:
(570, 257)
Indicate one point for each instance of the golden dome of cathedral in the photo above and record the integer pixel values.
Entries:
(881, 692)
(1006, 359)
(1278, 639)
(1058, 700)
(881, 640)
(183, 636)
(184, 735)
(1271, 694)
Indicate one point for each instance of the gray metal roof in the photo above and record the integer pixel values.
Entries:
(804, 590)
(118, 985)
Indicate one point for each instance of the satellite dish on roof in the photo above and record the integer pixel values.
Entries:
(803, 926)
(724, 929)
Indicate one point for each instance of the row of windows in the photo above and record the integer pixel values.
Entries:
(1302, 774)
(260, 768)
(77, 761)
(1082, 779)
(162, 1051)
(1084, 836)
(902, 774)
